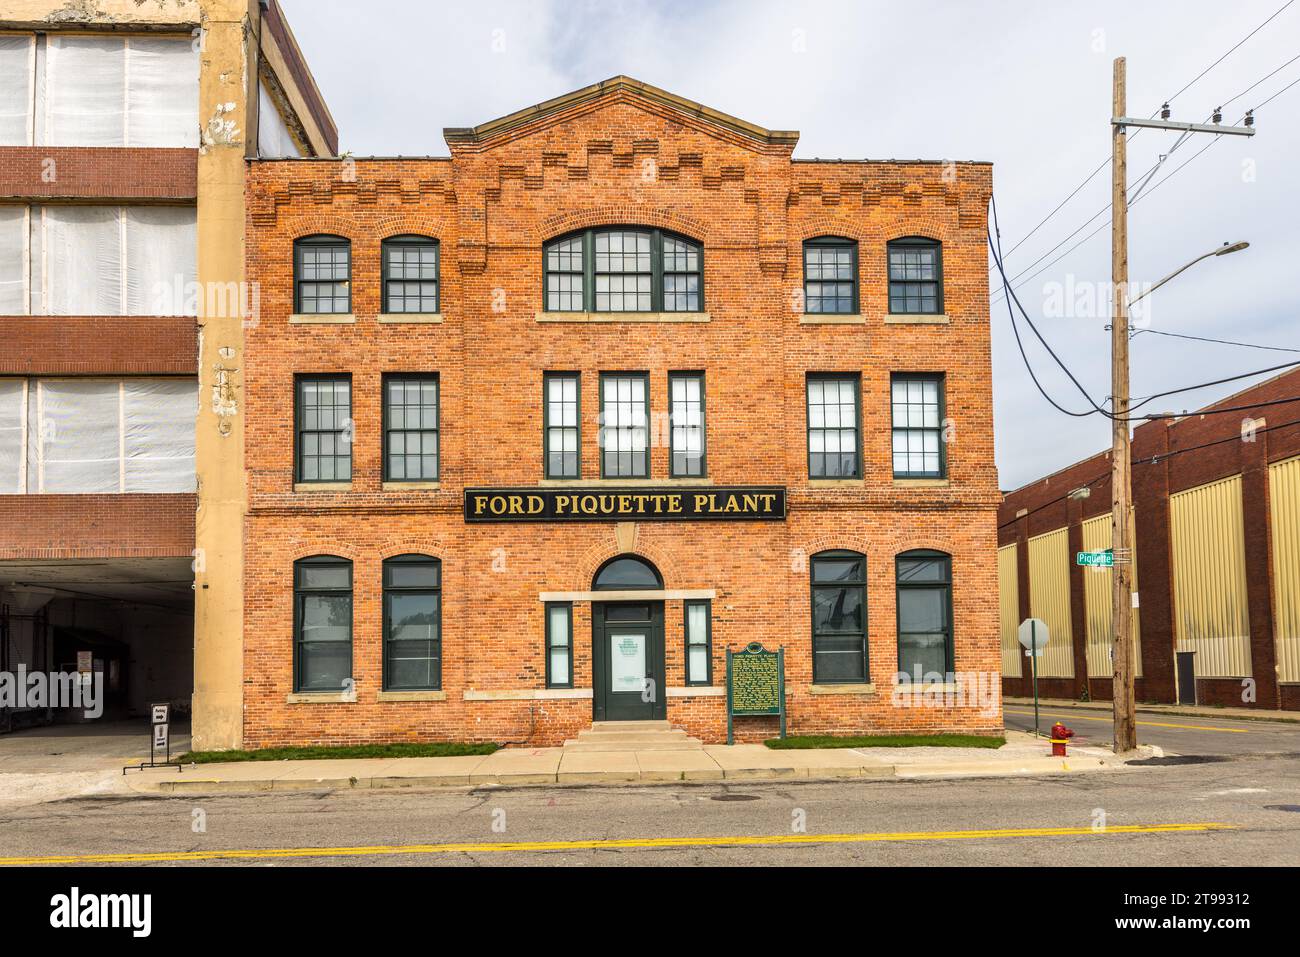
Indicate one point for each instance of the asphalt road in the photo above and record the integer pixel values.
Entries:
(1222, 809)
(1178, 734)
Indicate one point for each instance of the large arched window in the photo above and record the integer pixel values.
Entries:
(839, 617)
(830, 275)
(624, 269)
(322, 275)
(915, 276)
(322, 623)
(627, 572)
(924, 582)
(412, 623)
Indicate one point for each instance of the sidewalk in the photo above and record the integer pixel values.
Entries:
(1022, 755)
(1190, 711)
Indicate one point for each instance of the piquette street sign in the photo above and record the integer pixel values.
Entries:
(626, 504)
(1095, 559)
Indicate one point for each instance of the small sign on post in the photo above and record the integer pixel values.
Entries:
(1033, 635)
(755, 684)
(159, 722)
(1096, 559)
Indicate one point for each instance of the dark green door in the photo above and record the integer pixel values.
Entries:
(628, 661)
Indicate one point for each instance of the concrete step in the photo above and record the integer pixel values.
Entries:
(632, 736)
(603, 727)
(685, 744)
(633, 741)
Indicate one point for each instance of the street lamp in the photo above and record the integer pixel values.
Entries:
(1221, 251)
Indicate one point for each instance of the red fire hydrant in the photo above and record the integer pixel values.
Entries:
(1061, 736)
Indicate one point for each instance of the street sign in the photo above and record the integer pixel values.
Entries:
(158, 713)
(1033, 633)
(160, 737)
(1097, 559)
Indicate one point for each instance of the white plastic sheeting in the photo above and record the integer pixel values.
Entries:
(98, 260)
(17, 73)
(97, 435)
(273, 137)
(120, 91)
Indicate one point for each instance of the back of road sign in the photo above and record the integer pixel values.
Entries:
(1033, 633)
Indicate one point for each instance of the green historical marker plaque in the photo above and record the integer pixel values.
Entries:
(755, 684)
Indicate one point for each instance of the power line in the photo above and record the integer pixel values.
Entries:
(1229, 53)
(1221, 342)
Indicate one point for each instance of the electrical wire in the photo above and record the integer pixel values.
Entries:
(1221, 342)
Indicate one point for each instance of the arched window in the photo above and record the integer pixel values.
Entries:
(924, 582)
(915, 276)
(322, 275)
(412, 623)
(626, 572)
(624, 269)
(410, 275)
(839, 617)
(830, 275)
(322, 623)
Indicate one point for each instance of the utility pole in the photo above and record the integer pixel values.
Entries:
(1121, 468)
(1121, 477)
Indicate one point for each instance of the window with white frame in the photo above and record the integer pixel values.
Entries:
(624, 425)
(917, 407)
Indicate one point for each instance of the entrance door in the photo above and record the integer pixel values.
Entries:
(1187, 677)
(628, 661)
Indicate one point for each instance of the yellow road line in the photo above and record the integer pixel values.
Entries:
(1149, 724)
(759, 840)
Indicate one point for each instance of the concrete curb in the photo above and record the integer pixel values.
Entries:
(1223, 714)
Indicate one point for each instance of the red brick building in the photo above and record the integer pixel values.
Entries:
(1217, 527)
(536, 432)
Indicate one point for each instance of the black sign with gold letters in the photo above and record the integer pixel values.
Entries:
(626, 504)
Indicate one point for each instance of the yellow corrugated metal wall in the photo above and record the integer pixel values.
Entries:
(1009, 609)
(1049, 599)
(1097, 601)
(1209, 559)
(1284, 503)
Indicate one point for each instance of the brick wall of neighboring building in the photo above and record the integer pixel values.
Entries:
(96, 526)
(98, 173)
(99, 345)
(613, 158)
(1171, 456)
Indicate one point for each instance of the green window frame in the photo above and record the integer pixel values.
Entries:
(412, 406)
(688, 432)
(923, 579)
(323, 428)
(562, 425)
(623, 269)
(625, 425)
(830, 276)
(559, 644)
(915, 276)
(412, 594)
(834, 448)
(322, 275)
(838, 583)
(917, 409)
(697, 630)
(322, 623)
(410, 280)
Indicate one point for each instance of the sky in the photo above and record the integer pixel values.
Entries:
(1026, 86)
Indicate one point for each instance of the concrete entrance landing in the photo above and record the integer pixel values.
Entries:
(633, 736)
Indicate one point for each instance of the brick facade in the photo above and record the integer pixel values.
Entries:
(618, 154)
(1170, 456)
(96, 526)
(100, 345)
(98, 173)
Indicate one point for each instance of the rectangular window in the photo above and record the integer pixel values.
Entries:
(412, 623)
(839, 617)
(322, 623)
(915, 277)
(564, 276)
(323, 276)
(681, 265)
(560, 428)
(324, 428)
(917, 402)
(411, 428)
(924, 581)
(699, 641)
(623, 273)
(686, 390)
(833, 426)
(625, 425)
(559, 644)
(830, 276)
(410, 275)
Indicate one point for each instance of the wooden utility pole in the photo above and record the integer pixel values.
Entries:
(1121, 463)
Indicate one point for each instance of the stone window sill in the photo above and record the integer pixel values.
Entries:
(383, 696)
(622, 317)
(581, 483)
(322, 319)
(911, 688)
(922, 483)
(527, 694)
(321, 697)
(916, 319)
(853, 689)
(832, 319)
(322, 486)
(411, 486)
(836, 482)
(412, 318)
